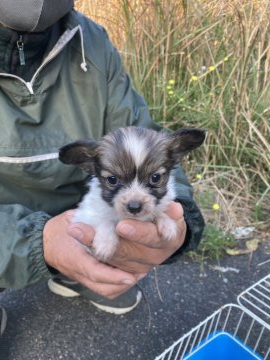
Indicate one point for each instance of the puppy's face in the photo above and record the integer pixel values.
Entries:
(133, 166)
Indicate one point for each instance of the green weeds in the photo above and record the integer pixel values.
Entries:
(214, 245)
(205, 64)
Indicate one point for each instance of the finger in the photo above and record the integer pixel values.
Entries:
(69, 215)
(145, 232)
(175, 211)
(81, 232)
(136, 257)
(135, 264)
(138, 264)
(139, 231)
(98, 272)
(109, 291)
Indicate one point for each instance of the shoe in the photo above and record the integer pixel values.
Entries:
(3, 320)
(121, 305)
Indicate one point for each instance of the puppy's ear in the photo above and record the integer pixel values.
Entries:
(80, 153)
(183, 141)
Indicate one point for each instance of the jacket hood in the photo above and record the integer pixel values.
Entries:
(32, 15)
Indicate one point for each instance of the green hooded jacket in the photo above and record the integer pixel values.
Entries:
(78, 90)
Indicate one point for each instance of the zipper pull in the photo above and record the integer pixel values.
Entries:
(20, 46)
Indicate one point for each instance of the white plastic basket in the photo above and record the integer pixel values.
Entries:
(256, 300)
(233, 332)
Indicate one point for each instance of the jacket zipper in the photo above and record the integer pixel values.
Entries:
(54, 52)
(50, 56)
(20, 46)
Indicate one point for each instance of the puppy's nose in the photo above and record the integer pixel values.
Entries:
(134, 207)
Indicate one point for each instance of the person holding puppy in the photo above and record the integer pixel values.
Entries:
(62, 80)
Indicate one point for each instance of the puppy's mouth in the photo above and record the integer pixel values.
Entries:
(140, 217)
(136, 210)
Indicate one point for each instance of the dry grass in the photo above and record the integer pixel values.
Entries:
(207, 64)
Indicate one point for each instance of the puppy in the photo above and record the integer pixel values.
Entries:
(131, 178)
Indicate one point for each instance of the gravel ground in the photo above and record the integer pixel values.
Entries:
(44, 326)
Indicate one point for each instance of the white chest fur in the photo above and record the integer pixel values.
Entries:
(94, 211)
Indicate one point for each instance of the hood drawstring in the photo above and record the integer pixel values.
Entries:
(83, 64)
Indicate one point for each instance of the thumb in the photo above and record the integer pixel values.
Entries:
(175, 211)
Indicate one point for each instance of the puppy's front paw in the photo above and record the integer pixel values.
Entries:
(167, 227)
(105, 243)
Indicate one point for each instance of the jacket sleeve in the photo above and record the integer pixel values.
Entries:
(192, 214)
(127, 107)
(21, 251)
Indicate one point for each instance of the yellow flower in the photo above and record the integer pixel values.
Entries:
(171, 82)
(211, 68)
(199, 176)
(170, 92)
(216, 206)
(226, 58)
(181, 100)
(194, 78)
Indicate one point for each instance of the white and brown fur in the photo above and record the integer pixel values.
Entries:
(131, 178)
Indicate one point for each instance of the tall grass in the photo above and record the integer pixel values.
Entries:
(206, 64)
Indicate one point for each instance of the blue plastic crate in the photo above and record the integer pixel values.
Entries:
(230, 333)
(222, 346)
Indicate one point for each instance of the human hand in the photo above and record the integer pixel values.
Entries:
(64, 252)
(141, 247)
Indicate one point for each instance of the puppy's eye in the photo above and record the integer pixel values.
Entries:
(112, 180)
(155, 179)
